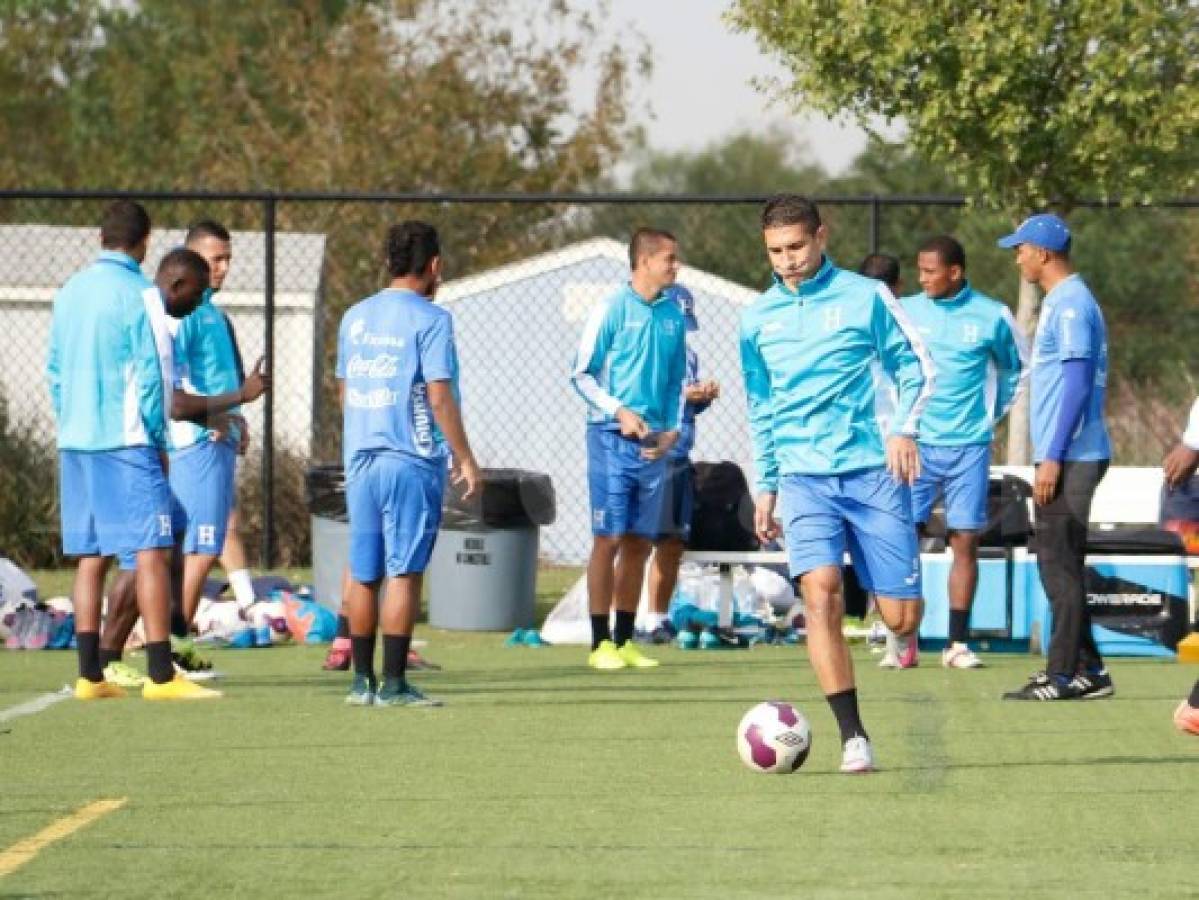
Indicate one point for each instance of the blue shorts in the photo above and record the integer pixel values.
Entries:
(962, 472)
(113, 502)
(202, 482)
(867, 513)
(395, 510)
(629, 494)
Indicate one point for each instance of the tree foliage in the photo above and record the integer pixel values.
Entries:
(1024, 104)
(423, 95)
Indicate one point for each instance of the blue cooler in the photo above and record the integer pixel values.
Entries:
(1137, 591)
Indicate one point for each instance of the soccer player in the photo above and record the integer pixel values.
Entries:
(981, 360)
(807, 348)
(1071, 450)
(207, 388)
(398, 373)
(110, 406)
(202, 460)
(630, 367)
(213, 241)
(1178, 467)
(668, 549)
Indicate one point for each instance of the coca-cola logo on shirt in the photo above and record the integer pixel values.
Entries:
(385, 365)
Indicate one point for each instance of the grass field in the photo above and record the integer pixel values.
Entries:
(541, 778)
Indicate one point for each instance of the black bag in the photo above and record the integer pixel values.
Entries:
(1008, 523)
(510, 498)
(723, 515)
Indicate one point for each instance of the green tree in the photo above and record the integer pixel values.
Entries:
(1023, 104)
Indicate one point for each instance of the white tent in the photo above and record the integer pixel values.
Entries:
(517, 328)
(37, 259)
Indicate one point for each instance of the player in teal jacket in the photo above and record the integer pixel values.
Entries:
(982, 366)
(808, 348)
(629, 368)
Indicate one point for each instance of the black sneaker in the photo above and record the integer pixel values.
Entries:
(664, 633)
(1093, 685)
(1040, 687)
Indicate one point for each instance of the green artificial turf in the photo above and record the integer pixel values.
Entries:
(541, 778)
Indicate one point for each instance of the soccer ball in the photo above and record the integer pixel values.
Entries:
(774, 737)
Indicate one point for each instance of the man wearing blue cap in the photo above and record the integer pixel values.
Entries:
(1071, 449)
(668, 549)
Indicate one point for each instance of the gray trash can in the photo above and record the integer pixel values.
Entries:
(483, 574)
(325, 487)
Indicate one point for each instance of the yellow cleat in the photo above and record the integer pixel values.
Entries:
(634, 658)
(606, 657)
(178, 688)
(97, 690)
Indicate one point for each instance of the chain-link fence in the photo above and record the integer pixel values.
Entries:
(521, 275)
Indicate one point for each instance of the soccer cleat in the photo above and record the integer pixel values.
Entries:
(634, 658)
(123, 675)
(665, 633)
(1043, 688)
(338, 658)
(959, 656)
(1093, 685)
(857, 758)
(362, 691)
(189, 663)
(909, 652)
(97, 690)
(398, 692)
(1186, 718)
(889, 661)
(178, 688)
(606, 658)
(688, 639)
(416, 662)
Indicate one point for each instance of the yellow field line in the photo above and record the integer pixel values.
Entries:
(23, 851)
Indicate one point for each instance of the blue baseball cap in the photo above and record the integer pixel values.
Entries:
(1045, 230)
(686, 303)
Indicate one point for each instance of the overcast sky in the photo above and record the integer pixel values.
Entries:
(700, 89)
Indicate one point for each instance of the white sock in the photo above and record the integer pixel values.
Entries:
(656, 620)
(243, 588)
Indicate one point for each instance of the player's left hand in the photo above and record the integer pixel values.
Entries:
(1044, 488)
(467, 476)
(1179, 465)
(903, 458)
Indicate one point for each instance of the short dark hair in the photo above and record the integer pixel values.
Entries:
(207, 228)
(645, 241)
(951, 252)
(188, 261)
(411, 246)
(782, 210)
(125, 224)
(881, 267)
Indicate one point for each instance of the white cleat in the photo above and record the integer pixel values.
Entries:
(959, 656)
(890, 660)
(857, 758)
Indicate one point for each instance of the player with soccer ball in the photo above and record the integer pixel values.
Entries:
(807, 349)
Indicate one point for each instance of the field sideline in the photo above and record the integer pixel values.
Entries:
(542, 778)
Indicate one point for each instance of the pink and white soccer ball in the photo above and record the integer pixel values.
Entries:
(774, 737)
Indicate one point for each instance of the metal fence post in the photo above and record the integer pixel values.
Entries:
(876, 210)
(268, 409)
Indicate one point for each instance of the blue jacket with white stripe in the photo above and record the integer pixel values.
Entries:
(807, 357)
(982, 365)
(633, 353)
(105, 382)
